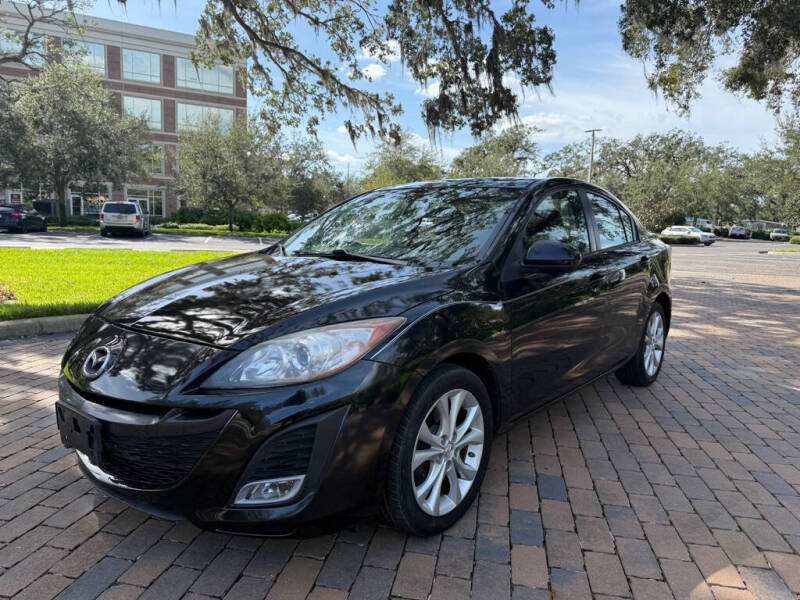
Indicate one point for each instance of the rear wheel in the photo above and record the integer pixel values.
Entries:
(440, 452)
(644, 367)
(44, 225)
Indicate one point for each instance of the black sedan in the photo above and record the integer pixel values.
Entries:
(370, 358)
(16, 217)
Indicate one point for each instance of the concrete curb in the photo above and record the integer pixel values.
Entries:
(18, 328)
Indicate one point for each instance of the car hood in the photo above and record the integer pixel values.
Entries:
(238, 301)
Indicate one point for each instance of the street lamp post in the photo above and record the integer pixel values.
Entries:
(591, 155)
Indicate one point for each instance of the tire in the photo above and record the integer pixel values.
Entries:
(639, 370)
(103, 233)
(706, 243)
(435, 512)
(44, 226)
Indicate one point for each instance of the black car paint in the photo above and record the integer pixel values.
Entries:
(518, 328)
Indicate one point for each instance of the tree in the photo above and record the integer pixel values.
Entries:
(27, 46)
(218, 167)
(571, 160)
(72, 130)
(681, 39)
(509, 153)
(475, 55)
(392, 163)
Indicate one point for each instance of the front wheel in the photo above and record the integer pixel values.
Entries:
(440, 452)
(644, 367)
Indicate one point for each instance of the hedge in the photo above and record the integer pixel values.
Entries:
(679, 239)
(795, 240)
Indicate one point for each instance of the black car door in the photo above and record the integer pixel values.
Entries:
(556, 315)
(624, 259)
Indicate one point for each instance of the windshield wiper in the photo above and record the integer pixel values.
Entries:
(341, 254)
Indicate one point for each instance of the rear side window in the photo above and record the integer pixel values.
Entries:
(611, 231)
(123, 208)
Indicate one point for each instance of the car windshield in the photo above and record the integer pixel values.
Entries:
(445, 224)
(780, 231)
(123, 208)
(694, 229)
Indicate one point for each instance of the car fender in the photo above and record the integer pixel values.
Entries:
(439, 332)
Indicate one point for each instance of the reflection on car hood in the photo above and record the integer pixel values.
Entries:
(223, 302)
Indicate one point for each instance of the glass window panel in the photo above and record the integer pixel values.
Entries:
(192, 115)
(141, 66)
(218, 78)
(148, 108)
(560, 218)
(11, 42)
(94, 56)
(610, 231)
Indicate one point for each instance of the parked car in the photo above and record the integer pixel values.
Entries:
(780, 235)
(680, 230)
(363, 360)
(738, 232)
(124, 217)
(17, 217)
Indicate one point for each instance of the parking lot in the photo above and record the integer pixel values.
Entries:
(687, 489)
(155, 241)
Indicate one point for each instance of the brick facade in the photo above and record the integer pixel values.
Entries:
(117, 36)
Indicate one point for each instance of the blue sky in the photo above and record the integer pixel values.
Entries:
(595, 85)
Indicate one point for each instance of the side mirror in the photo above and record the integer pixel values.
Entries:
(549, 255)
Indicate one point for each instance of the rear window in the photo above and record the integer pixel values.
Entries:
(123, 208)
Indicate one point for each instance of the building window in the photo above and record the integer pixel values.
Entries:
(141, 66)
(94, 56)
(151, 200)
(11, 43)
(218, 79)
(192, 115)
(144, 107)
(157, 158)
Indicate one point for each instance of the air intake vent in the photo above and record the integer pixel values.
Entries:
(150, 463)
(284, 455)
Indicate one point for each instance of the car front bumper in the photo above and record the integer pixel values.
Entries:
(190, 462)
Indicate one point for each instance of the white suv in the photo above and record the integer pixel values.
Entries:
(127, 217)
(779, 235)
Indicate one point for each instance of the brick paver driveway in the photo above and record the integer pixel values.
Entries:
(690, 488)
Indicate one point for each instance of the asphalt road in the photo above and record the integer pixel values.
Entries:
(743, 261)
(155, 241)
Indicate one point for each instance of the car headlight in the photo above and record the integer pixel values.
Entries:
(303, 356)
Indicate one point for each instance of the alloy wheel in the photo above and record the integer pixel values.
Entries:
(447, 452)
(653, 343)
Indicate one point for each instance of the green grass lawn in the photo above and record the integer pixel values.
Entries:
(70, 281)
(786, 250)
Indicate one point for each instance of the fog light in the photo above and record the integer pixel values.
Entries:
(269, 491)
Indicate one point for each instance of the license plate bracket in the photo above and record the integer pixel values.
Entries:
(79, 431)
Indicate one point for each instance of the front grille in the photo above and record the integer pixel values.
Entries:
(285, 455)
(150, 463)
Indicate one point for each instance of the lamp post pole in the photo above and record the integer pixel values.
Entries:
(591, 155)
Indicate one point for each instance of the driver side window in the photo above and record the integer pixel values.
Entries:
(560, 218)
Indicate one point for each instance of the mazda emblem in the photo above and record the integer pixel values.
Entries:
(97, 362)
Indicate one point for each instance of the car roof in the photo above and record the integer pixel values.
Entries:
(520, 183)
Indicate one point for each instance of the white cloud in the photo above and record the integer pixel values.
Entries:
(342, 158)
(374, 71)
(392, 48)
(428, 91)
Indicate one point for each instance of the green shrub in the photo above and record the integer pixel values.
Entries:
(795, 239)
(679, 239)
(274, 222)
(760, 235)
(721, 231)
